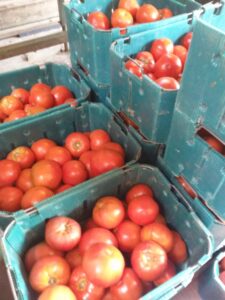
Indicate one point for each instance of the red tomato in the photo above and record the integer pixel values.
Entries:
(35, 195)
(21, 94)
(71, 101)
(115, 147)
(9, 104)
(62, 233)
(58, 154)
(167, 275)
(186, 40)
(187, 187)
(38, 251)
(42, 98)
(147, 13)
(47, 271)
(178, 254)
(151, 76)
(158, 233)
(99, 20)
(214, 143)
(129, 5)
(104, 264)
(128, 235)
(63, 188)
(160, 219)
(57, 292)
(165, 13)
(74, 172)
(16, 115)
(46, 173)
(41, 147)
(10, 198)
(143, 210)
(149, 260)
(77, 143)
(134, 67)
(33, 110)
(24, 181)
(121, 18)
(128, 288)
(82, 287)
(148, 61)
(108, 296)
(222, 277)
(97, 235)
(105, 160)
(98, 138)
(40, 86)
(108, 212)
(61, 93)
(147, 286)
(168, 83)
(222, 264)
(181, 52)
(160, 47)
(74, 258)
(137, 190)
(2, 115)
(23, 155)
(85, 158)
(10, 171)
(168, 65)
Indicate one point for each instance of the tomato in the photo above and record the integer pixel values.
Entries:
(165, 13)
(34, 110)
(121, 18)
(82, 287)
(151, 76)
(168, 65)
(77, 143)
(137, 190)
(222, 264)
(128, 235)
(99, 20)
(10, 198)
(2, 115)
(97, 235)
(148, 61)
(47, 271)
(181, 52)
(46, 173)
(42, 98)
(85, 158)
(134, 67)
(62, 233)
(186, 40)
(129, 5)
(40, 87)
(10, 171)
(143, 210)
(222, 277)
(104, 264)
(108, 212)
(187, 187)
(24, 181)
(21, 94)
(35, 195)
(178, 254)
(71, 101)
(214, 143)
(63, 188)
(168, 83)
(23, 155)
(57, 292)
(167, 275)
(149, 260)
(147, 286)
(160, 219)
(37, 252)
(74, 172)
(41, 147)
(58, 154)
(16, 115)
(105, 160)
(160, 47)
(115, 147)
(108, 296)
(147, 13)
(9, 103)
(60, 94)
(128, 288)
(98, 138)
(74, 258)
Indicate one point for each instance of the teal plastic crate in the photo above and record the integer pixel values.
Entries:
(57, 125)
(28, 228)
(89, 48)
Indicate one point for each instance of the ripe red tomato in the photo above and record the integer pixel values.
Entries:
(149, 260)
(178, 254)
(104, 264)
(115, 147)
(160, 219)
(85, 158)
(47, 271)
(222, 264)
(186, 40)
(21, 94)
(74, 258)
(108, 212)
(41, 147)
(99, 20)
(168, 83)
(58, 154)
(38, 251)
(2, 115)
(168, 65)
(187, 187)
(167, 275)
(128, 288)
(82, 287)
(9, 104)
(33, 110)
(23, 155)
(35, 195)
(165, 13)
(71, 101)
(214, 143)
(160, 47)
(60, 94)
(98, 138)
(108, 296)
(16, 115)
(74, 172)
(129, 5)
(24, 181)
(10, 198)
(143, 210)
(40, 87)
(128, 235)
(148, 61)
(181, 52)
(151, 76)
(42, 98)
(46, 173)
(62, 233)
(96, 235)
(77, 143)
(137, 190)
(134, 67)
(10, 171)
(63, 188)
(121, 18)
(57, 292)
(147, 13)
(222, 277)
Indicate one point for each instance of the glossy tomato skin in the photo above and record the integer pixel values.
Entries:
(147, 13)
(58, 154)
(115, 147)
(85, 158)
(62, 233)
(42, 98)
(40, 87)
(34, 110)
(148, 61)
(82, 287)
(23, 155)
(21, 94)
(99, 20)
(222, 264)
(24, 181)
(186, 40)
(179, 253)
(167, 275)
(57, 292)
(165, 13)
(74, 258)
(168, 83)
(137, 190)
(181, 52)
(134, 67)
(104, 264)
(47, 271)
(41, 147)
(77, 143)
(60, 94)
(160, 47)
(129, 5)
(9, 104)
(10, 198)
(74, 172)
(10, 171)
(98, 138)
(168, 65)
(149, 260)
(35, 195)
(16, 115)
(121, 18)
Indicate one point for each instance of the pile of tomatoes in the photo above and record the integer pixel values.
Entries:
(128, 13)
(31, 174)
(22, 103)
(222, 270)
(163, 62)
(123, 251)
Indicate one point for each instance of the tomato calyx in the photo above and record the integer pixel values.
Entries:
(81, 284)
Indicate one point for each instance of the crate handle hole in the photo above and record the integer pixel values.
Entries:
(212, 140)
